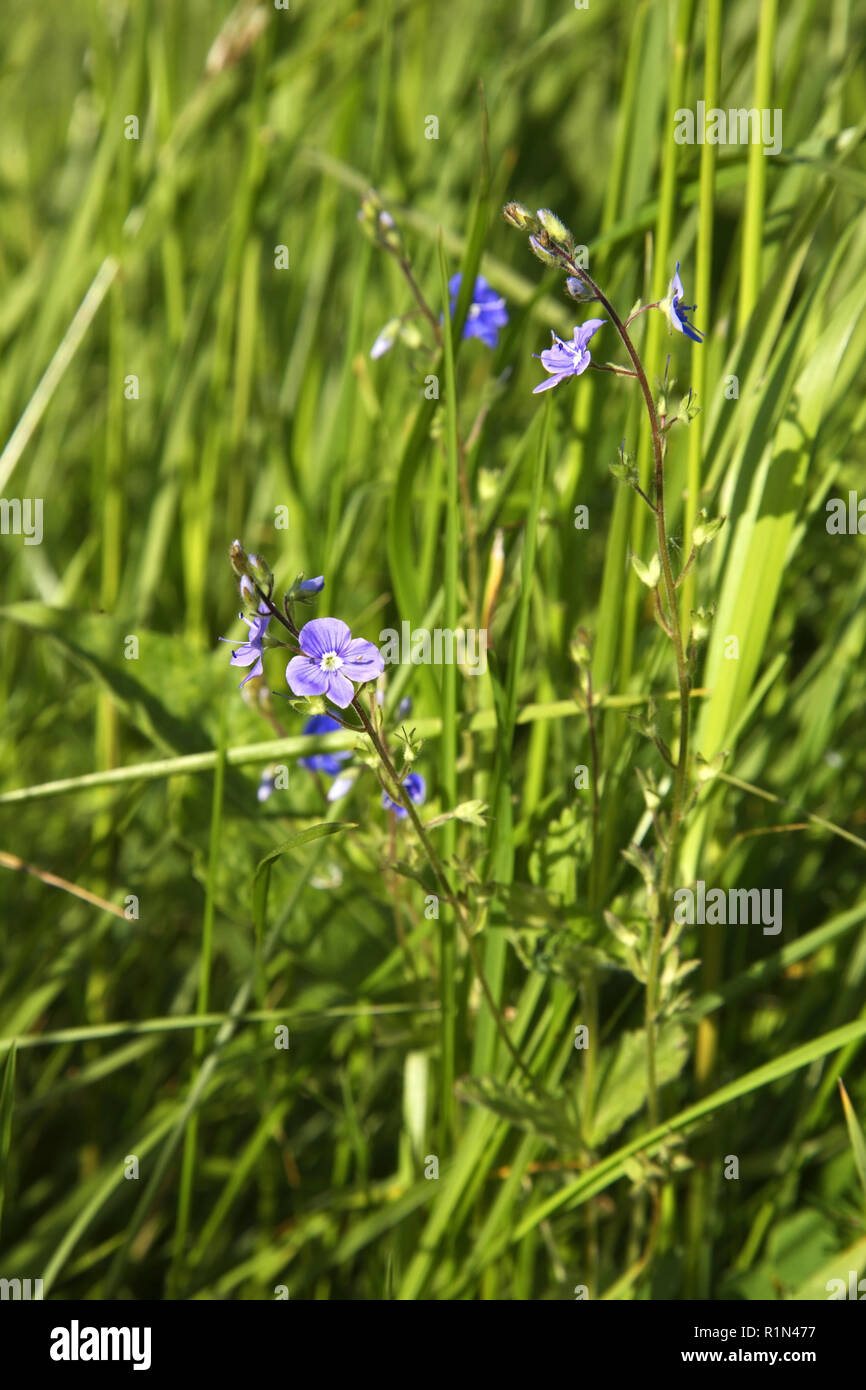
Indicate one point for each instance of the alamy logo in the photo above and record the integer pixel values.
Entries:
(738, 126)
(21, 1288)
(22, 517)
(76, 1343)
(737, 907)
(418, 647)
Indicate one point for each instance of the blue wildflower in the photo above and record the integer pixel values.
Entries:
(330, 660)
(323, 762)
(567, 359)
(486, 312)
(416, 790)
(312, 586)
(677, 310)
(250, 652)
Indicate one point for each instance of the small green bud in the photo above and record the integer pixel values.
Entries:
(411, 335)
(707, 771)
(648, 574)
(539, 247)
(259, 570)
(556, 229)
(580, 648)
(239, 559)
(702, 621)
(520, 217)
(689, 408)
(706, 530)
(310, 704)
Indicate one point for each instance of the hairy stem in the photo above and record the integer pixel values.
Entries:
(398, 794)
(683, 682)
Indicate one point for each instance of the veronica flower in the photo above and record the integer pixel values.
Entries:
(312, 586)
(251, 651)
(330, 660)
(677, 309)
(323, 762)
(567, 359)
(416, 790)
(486, 312)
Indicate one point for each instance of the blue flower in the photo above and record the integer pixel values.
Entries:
(486, 312)
(677, 309)
(266, 785)
(312, 586)
(567, 359)
(416, 790)
(323, 762)
(330, 660)
(250, 652)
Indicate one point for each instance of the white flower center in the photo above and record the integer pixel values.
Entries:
(331, 662)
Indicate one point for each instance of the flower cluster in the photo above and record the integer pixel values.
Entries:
(554, 245)
(327, 664)
(487, 313)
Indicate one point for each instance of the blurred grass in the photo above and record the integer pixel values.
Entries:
(156, 258)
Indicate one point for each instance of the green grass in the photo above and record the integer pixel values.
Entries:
(149, 1030)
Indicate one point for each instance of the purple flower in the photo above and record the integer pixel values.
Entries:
(416, 790)
(567, 359)
(330, 660)
(312, 586)
(486, 312)
(678, 310)
(251, 650)
(323, 762)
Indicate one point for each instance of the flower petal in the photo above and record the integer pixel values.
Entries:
(342, 785)
(258, 670)
(557, 359)
(583, 334)
(551, 381)
(246, 655)
(305, 677)
(323, 635)
(340, 691)
(362, 660)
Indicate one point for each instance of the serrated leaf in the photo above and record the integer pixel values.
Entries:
(544, 1115)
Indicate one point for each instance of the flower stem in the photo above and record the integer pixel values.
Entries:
(398, 794)
(683, 683)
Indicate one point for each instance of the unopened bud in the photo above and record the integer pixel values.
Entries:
(520, 217)
(556, 229)
(541, 251)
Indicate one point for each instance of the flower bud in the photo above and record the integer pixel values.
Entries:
(520, 217)
(580, 648)
(248, 594)
(575, 287)
(259, 571)
(556, 229)
(303, 590)
(540, 249)
(239, 558)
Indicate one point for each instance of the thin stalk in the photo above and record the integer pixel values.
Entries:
(397, 794)
(683, 684)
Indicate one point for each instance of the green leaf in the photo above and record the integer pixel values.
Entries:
(543, 1115)
(7, 1101)
(858, 1140)
(261, 878)
(622, 1087)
